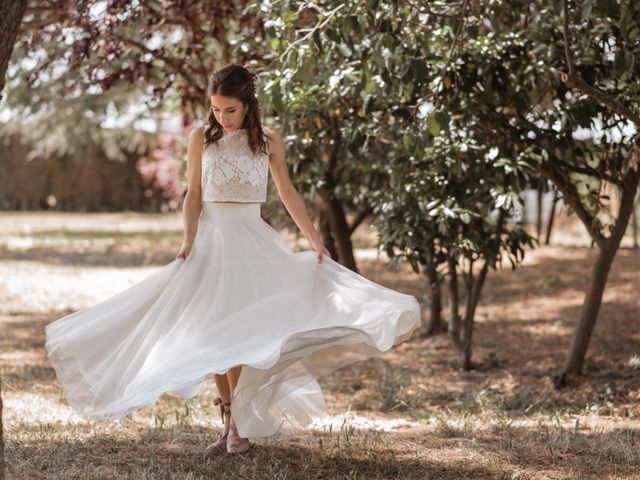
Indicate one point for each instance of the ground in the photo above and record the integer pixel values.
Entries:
(408, 413)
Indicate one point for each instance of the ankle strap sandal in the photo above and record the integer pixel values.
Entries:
(225, 407)
(220, 444)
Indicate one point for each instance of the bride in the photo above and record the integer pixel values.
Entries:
(236, 303)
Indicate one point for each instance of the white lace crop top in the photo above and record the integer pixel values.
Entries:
(230, 171)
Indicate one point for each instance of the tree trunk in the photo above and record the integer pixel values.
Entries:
(327, 237)
(434, 285)
(588, 314)
(359, 218)
(340, 230)
(474, 289)
(467, 326)
(11, 13)
(1, 437)
(539, 213)
(634, 224)
(593, 297)
(462, 333)
(552, 213)
(454, 305)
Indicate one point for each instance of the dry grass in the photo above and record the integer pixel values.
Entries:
(409, 413)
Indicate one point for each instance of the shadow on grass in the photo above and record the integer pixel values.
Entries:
(156, 455)
(554, 276)
(589, 454)
(500, 451)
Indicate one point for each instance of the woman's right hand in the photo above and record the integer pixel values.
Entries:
(185, 249)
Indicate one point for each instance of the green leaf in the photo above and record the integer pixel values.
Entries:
(354, 24)
(587, 6)
(407, 140)
(333, 35)
(367, 103)
(432, 124)
(619, 63)
(448, 212)
(419, 69)
(443, 120)
(608, 7)
(345, 50)
(276, 98)
(433, 203)
(318, 41)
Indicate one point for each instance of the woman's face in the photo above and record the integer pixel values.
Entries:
(229, 111)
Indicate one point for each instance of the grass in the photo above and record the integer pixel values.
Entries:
(409, 413)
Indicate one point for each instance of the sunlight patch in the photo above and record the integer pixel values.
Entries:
(41, 288)
(352, 419)
(21, 357)
(37, 409)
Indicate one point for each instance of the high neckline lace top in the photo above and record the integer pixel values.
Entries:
(231, 172)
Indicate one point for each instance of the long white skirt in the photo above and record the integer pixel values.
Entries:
(241, 297)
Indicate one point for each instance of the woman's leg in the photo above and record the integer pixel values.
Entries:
(225, 395)
(233, 375)
(235, 443)
(223, 387)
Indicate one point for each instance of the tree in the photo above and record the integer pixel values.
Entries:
(163, 46)
(338, 158)
(597, 47)
(11, 13)
(460, 168)
(366, 120)
(621, 168)
(450, 210)
(600, 91)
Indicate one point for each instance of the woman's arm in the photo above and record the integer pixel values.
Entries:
(192, 204)
(290, 196)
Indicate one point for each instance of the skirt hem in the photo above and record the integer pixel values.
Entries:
(69, 376)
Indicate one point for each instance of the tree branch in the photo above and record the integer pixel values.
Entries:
(572, 198)
(573, 80)
(592, 172)
(629, 188)
(362, 214)
(566, 35)
(461, 17)
(312, 30)
(170, 61)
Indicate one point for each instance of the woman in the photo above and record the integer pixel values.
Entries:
(237, 303)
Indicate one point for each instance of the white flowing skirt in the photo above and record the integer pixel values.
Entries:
(241, 297)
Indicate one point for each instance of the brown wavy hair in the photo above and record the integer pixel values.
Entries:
(238, 82)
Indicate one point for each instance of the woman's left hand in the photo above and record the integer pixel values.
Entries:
(317, 246)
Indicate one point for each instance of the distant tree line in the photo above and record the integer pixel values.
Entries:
(146, 178)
